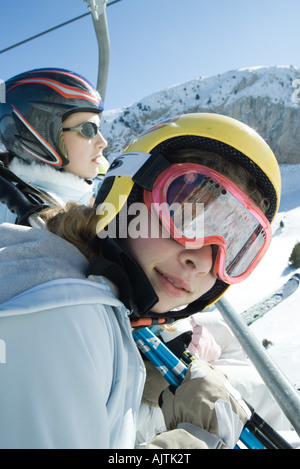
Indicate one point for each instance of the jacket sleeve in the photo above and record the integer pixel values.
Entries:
(57, 379)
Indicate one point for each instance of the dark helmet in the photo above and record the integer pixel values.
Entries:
(36, 104)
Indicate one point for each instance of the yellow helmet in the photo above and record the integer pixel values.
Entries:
(103, 166)
(220, 134)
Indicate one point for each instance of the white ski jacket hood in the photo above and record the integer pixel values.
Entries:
(71, 375)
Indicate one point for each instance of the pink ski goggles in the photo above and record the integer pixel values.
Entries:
(197, 206)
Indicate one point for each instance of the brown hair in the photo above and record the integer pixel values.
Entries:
(77, 224)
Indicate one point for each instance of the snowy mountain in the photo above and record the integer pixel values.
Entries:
(266, 98)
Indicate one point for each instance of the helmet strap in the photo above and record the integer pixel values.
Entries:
(135, 290)
(118, 266)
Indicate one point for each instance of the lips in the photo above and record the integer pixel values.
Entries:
(97, 159)
(173, 285)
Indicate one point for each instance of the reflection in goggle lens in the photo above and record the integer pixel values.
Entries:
(223, 216)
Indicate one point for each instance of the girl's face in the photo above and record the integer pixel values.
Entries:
(84, 153)
(177, 274)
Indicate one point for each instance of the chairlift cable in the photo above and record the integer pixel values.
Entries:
(52, 29)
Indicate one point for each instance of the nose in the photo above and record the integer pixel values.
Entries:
(100, 141)
(199, 260)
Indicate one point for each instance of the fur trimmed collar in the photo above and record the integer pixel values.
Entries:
(61, 185)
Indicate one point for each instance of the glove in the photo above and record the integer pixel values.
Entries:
(154, 385)
(194, 337)
(177, 340)
(176, 439)
(203, 344)
(177, 337)
(205, 405)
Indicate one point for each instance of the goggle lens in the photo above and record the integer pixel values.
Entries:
(87, 129)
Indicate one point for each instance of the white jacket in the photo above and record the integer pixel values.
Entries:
(62, 186)
(70, 373)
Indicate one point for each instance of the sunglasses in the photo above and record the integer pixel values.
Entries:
(87, 129)
(198, 206)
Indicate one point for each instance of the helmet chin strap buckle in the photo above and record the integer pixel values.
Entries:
(144, 322)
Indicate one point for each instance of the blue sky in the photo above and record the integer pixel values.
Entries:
(154, 43)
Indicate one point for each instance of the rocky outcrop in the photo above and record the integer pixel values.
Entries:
(266, 98)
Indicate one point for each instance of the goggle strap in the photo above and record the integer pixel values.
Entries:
(127, 164)
(146, 176)
(142, 168)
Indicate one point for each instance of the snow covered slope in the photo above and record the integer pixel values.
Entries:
(266, 98)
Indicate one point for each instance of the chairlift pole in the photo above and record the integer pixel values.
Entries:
(98, 10)
(281, 388)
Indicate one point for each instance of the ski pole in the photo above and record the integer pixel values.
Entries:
(261, 308)
(172, 379)
(167, 363)
(265, 433)
(282, 390)
(171, 367)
